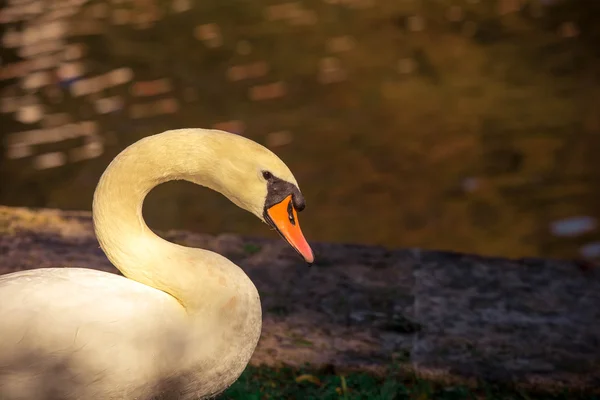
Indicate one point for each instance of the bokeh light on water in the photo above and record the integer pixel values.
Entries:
(465, 125)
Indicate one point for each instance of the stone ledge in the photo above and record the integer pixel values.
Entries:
(445, 315)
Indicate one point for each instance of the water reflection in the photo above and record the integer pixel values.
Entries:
(443, 125)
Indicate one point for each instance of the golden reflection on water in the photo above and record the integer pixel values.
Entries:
(450, 125)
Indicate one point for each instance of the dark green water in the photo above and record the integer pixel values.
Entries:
(451, 125)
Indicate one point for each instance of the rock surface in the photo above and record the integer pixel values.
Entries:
(442, 314)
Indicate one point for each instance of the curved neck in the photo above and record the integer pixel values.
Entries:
(188, 274)
(221, 301)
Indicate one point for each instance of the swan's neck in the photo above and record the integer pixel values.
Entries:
(188, 274)
(215, 293)
(120, 228)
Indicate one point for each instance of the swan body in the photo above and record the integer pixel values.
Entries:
(182, 323)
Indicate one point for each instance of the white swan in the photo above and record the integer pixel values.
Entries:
(183, 322)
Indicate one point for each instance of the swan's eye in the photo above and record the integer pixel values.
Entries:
(290, 210)
(267, 175)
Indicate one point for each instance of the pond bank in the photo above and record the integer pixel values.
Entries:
(445, 315)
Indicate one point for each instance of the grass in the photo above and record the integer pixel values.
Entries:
(288, 383)
(251, 248)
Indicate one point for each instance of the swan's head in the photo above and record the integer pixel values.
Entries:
(255, 179)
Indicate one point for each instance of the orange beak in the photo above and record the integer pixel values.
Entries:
(283, 217)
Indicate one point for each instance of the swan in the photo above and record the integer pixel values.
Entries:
(181, 323)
